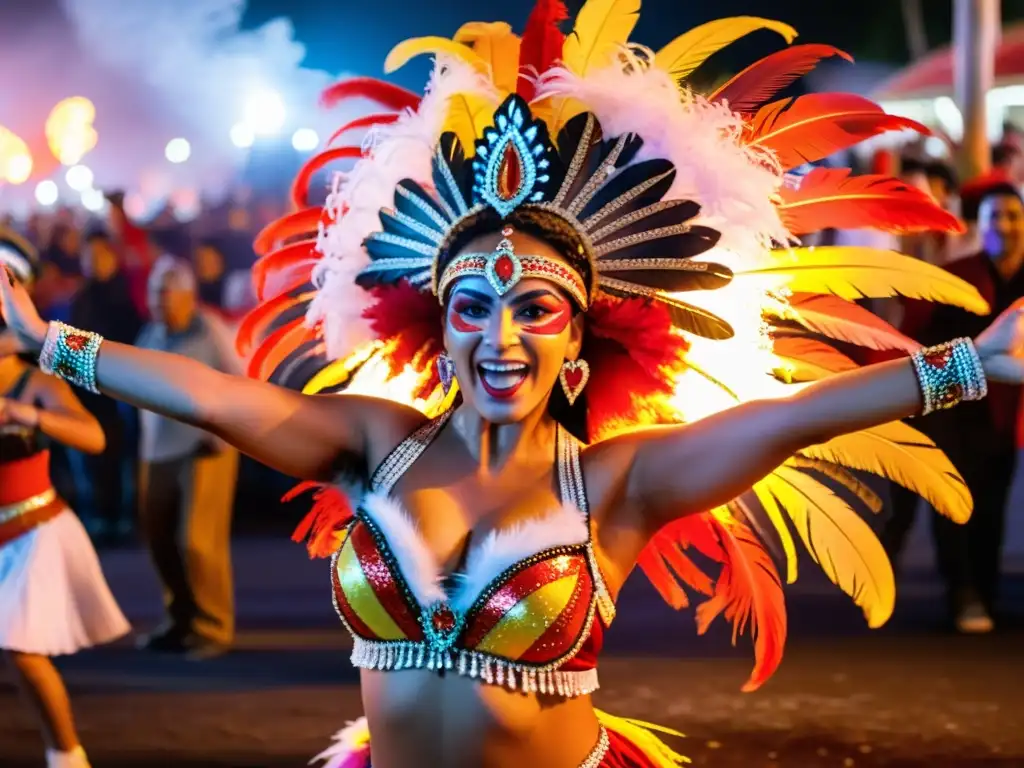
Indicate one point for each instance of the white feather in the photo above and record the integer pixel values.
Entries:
(734, 184)
(399, 151)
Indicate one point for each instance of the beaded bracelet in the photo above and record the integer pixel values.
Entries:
(949, 374)
(71, 354)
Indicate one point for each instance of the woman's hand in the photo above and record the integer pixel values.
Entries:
(22, 414)
(1001, 347)
(20, 315)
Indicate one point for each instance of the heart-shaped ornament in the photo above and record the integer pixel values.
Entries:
(574, 377)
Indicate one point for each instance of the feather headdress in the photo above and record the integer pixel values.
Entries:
(688, 211)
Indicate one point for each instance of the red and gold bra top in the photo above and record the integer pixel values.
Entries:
(527, 612)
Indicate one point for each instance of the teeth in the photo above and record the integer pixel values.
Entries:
(503, 367)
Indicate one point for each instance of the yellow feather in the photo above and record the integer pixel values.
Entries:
(839, 541)
(602, 26)
(407, 50)
(907, 457)
(771, 509)
(855, 273)
(498, 47)
(691, 49)
(468, 115)
(641, 735)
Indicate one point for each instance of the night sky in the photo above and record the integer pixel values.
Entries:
(350, 36)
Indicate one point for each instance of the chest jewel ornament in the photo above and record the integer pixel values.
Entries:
(441, 626)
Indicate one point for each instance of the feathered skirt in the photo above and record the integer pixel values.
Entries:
(53, 597)
(624, 743)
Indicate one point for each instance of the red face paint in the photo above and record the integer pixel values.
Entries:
(552, 318)
(460, 306)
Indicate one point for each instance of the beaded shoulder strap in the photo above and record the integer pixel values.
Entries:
(405, 454)
(573, 490)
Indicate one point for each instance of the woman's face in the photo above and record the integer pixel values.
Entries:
(508, 350)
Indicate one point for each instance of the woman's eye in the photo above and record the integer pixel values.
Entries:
(473, 310)
(534, 312)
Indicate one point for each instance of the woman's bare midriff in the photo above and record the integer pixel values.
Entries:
(419, 718)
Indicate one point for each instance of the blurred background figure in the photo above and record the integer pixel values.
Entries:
(187, 483)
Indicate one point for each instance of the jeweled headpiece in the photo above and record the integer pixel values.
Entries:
(633, 243)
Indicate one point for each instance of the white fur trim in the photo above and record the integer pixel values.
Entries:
(498, 551)
(504, 548)
(417, 563)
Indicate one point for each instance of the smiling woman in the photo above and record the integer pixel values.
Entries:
(560, 270)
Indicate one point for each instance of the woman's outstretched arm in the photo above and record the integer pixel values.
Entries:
(681, 470)
(310, 437)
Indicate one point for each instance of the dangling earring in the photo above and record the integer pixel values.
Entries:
(446, 371)
(574, 377)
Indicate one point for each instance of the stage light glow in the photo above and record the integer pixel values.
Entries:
(93, 200)
(69, 129)
(177, 150)
(242, 135)
(19, 168)
(305, 140)
(47, 192)
(265, 113)
(79, 178)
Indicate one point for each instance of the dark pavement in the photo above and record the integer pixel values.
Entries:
(907, 695)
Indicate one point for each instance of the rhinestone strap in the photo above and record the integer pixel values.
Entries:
(598, 753)
(949, 374)
(410, 449)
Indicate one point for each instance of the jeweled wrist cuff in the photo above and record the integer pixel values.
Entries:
(71, 354)
(949, 374)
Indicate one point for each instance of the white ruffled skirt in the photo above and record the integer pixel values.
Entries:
(53, 597)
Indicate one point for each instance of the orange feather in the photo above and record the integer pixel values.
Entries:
(831, 197)
(384, 93)
(300, 187)
(366, 121)
(807, 128)
(323, 524)
(751, 88)
(666, 565)
(253, 326)
(302, 222)
(843, 320)
(809, 359)
(277, 346)
(748, 592)
(276, 271)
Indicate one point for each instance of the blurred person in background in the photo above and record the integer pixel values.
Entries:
(979, 439)
(137, 253)
(105, 301)
(187, 483)
(224, 284)
(54, 599)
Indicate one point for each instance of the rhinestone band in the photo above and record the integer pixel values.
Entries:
(71, 354)
(949, 374)
(485, 264)
(597, 755)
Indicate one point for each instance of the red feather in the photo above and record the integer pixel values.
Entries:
(748, 592)
(331, 511)
(812, 359)
(414, 319)
(302, 222)
(542, 43)
(751, 88)
(384, 93)
(277, 346)
(808, 128)
(632, 351)
(366, 121)
(831, 197)
(280, 270)
(843, 320)
(300, 187)
(255, 323)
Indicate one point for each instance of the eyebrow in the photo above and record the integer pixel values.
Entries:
(537, 294)
(474, 294)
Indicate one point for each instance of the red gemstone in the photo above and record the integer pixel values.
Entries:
(938, 359)
(510, 173)
(443, 620)
(76, 341)
(573, 377)
(504, 268)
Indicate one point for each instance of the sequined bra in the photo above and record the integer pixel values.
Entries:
(522, 612)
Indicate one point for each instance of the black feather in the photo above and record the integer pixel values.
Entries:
(394, 226)
(662, 214)
(711, 277)
(409, 208)
(684, 245)
(383, 249)
(624, 181)
(450, 152)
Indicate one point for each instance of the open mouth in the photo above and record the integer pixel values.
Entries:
(502, 379)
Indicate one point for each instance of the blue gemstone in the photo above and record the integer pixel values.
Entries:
(502, 122)
(530, 133)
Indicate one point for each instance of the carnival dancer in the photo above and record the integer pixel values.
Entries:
(53, 597)
(560, 271)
